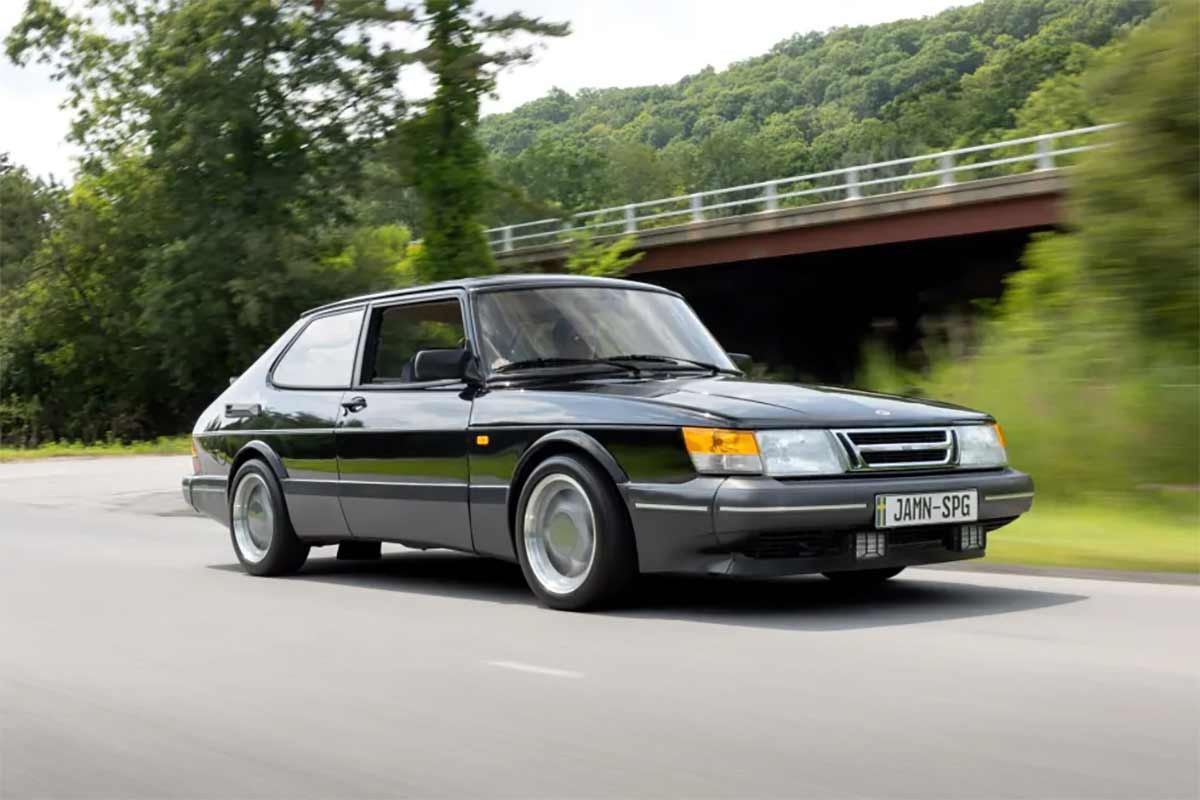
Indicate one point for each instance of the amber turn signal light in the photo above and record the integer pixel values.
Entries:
(720, 442)
(716, 451)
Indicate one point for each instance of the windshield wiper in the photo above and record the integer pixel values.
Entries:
(542, 363)
(676, 360)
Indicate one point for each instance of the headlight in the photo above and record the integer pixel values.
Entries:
(721, 452)
(804, 452)
(981, 446)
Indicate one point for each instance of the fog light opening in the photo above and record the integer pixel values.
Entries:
(870, 545)
(971, 537)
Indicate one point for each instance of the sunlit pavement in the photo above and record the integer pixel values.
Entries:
(137, 660)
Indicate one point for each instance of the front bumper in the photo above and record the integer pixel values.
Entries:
(763, 526)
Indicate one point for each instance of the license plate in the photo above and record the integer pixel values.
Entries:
(934, 508)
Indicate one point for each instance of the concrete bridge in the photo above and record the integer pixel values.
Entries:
(1009, 185)
(870, 251)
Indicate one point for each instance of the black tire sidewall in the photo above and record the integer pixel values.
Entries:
(286, 553)
(615, 561)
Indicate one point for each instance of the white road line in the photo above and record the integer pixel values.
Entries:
(535, 669)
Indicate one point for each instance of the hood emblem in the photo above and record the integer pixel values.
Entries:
(883, 413)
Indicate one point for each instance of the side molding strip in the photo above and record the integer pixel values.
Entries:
(788, 509)
(667, 507)
(1013, 496)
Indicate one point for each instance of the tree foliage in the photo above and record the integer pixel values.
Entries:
(1095, 348)
(26, 208)
(447, 161)
(605, 259)
(223, 143)
(816, 101)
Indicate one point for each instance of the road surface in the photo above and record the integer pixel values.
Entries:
(138, 661)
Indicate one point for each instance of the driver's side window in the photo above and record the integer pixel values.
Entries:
(397, 333)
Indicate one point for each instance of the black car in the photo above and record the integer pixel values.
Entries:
(591, 429)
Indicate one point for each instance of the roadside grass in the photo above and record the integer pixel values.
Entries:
(1107, 534)
(164, 445)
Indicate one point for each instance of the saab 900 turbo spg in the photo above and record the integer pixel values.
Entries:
(591, 430)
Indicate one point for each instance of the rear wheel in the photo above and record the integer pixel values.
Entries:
(259, 526)
(572, 535)
(863, 577)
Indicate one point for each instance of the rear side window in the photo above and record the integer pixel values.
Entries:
(398, 332)
(322, 357)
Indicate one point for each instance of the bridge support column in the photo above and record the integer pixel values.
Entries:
(853, 191)
(1044, 159)
(946, 164)
(771, 197)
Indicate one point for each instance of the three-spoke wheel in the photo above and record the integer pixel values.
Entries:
(262, 534)
(573, 536)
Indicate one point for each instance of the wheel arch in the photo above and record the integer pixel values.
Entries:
(564, 442)
(260, 450)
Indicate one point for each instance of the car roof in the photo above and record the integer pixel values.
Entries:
(494, 283)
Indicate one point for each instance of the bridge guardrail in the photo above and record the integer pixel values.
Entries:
(941, 168)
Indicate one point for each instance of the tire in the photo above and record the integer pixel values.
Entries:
(863, 577)
(259, 526)
(567, 501)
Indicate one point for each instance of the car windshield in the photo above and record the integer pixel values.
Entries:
(574, 325)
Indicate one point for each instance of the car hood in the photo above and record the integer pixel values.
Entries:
(750, 403)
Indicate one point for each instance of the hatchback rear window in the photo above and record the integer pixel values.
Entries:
(322, 357)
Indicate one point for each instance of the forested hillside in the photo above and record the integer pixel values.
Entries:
(815, 101)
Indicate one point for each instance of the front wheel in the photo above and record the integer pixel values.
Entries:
(262, 534)
(573, 537)
(863, 577)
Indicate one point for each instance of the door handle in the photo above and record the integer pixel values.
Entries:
(355, 404)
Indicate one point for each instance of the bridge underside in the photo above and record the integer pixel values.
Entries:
(809, 316)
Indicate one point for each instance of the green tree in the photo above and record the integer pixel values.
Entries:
(607, 259)
(1137, 204)
(448, 162)
(223, 142)
(26, 206)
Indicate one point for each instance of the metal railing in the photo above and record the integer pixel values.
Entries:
(847, 183)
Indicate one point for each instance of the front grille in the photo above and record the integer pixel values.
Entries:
(790, 544)
(873, 458)
(898, 448)
(816, 544)
(928, 436)
(925, 537)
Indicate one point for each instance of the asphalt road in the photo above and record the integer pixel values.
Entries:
(137, 660)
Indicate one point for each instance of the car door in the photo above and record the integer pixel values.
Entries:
(402, 444)
(301, 412)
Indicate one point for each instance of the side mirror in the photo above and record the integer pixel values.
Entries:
(449, 363)
(743, 361)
